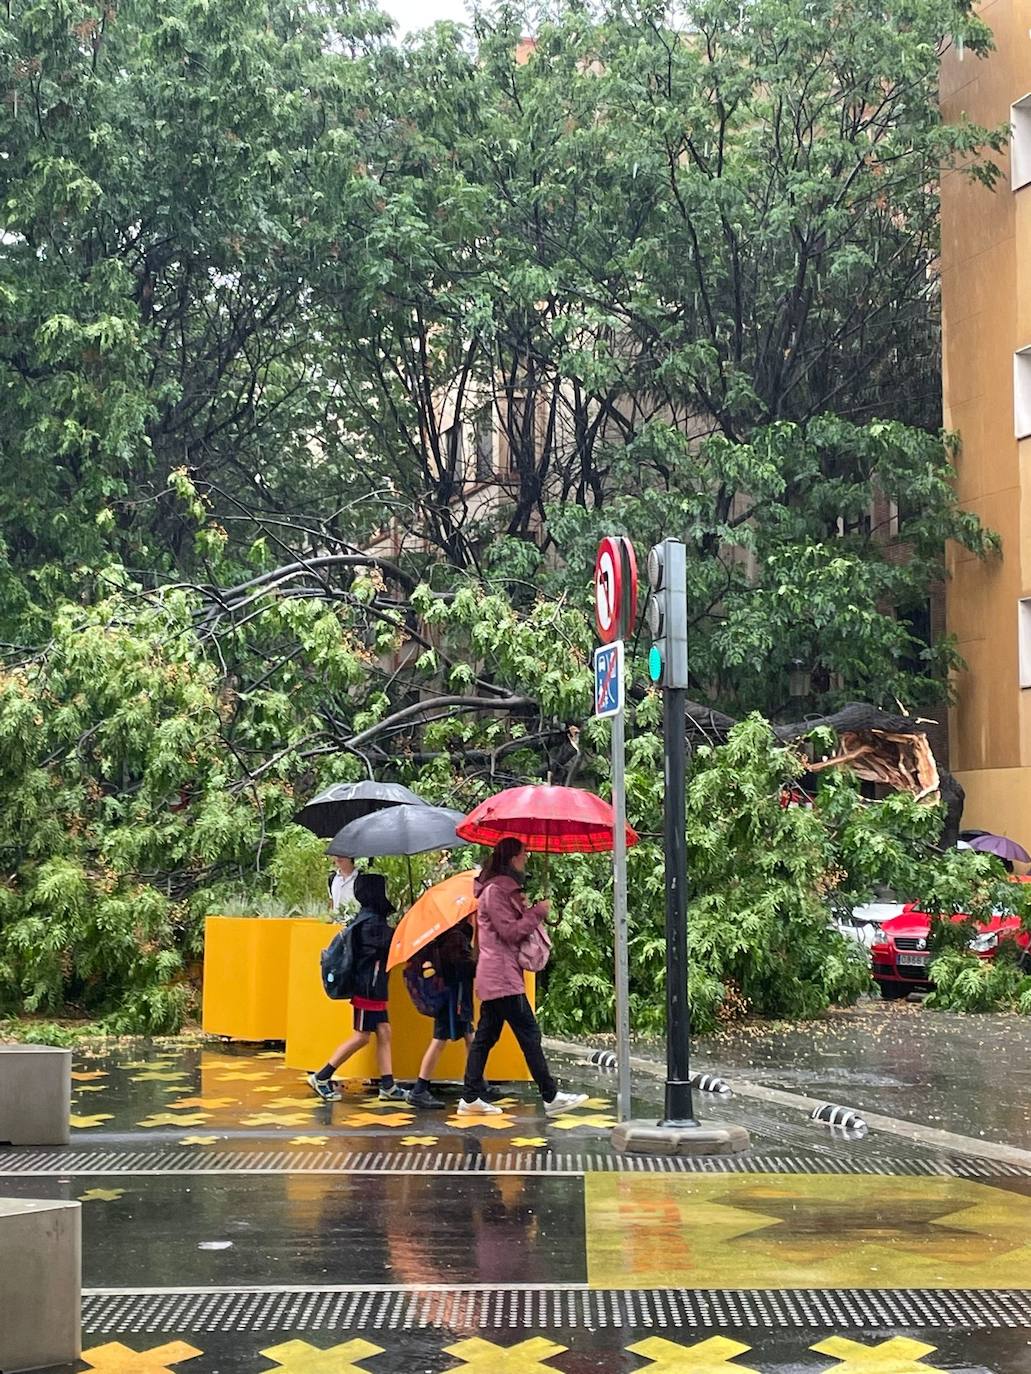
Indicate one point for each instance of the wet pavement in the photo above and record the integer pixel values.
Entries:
(231, 1223)
(968, 1074)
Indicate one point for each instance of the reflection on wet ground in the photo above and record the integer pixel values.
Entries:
(232, 1222)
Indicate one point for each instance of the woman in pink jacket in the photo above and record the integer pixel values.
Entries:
(503, 921)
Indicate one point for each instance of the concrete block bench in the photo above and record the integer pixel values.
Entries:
(35, 1096)
(40, 1283)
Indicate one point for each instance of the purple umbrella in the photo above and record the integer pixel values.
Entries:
(1001, 847)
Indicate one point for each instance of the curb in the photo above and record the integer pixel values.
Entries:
(892, 1125)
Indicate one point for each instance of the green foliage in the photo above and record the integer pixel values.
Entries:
(962, 982)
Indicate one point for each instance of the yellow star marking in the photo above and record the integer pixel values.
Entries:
(102, 1195)
(804, 1231)
(897, 1356)
(529, 1141)
(484, 1357)
(119, 1359)
(157, 1076)
(298, 1357)
(84, 1123)
(712, 1356)
(207, 1102)
(570, 1123)
(167, 1119)
(371, 1118)
(308, 1140)
(199, 1140)
(277, 1119)
(503, 1122)
(418, 1140)
(81, 1076)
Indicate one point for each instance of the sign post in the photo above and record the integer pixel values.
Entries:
(615, 584)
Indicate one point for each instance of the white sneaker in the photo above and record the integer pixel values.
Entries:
(478, 1108)
(564, 1102)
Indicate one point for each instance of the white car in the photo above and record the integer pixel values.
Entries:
(863, 925)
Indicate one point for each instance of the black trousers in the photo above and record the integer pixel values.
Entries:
(518, 1013)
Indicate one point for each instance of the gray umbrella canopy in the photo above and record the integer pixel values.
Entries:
(404, 829)
(348, 801)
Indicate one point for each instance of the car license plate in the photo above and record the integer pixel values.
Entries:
(918, 959)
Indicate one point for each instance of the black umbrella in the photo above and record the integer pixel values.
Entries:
(349, 801)
(405, 829)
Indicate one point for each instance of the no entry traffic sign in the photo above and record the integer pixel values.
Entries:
(615, 588)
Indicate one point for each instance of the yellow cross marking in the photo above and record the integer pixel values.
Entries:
(270, 1054)
(529, 1141)
(308, 1101)
(377, 1119)
(309, 1140)
(712, 1356)
(90, 1088)
(81, 1076)
(503, 1122)
(102, 1195)
(897, 1356)
(484, 1357)
(167, 1119)
(239, 1076)
(156, 1076)
(213, 1102)
(418, 1140)
(119, 1359)
(198, 1140)
(298, 1357)
(83, 1123)
(569, 1123)
(277, 1119)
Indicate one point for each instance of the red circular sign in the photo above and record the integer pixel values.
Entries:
(615, 588)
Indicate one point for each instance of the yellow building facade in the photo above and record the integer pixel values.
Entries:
(986, 313)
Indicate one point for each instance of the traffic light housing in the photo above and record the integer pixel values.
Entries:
(667, 614)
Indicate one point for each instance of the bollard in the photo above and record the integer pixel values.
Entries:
(709, 1083)
(842, 1117)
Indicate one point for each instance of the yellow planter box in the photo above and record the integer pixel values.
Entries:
(246, 976)
(316, 1025)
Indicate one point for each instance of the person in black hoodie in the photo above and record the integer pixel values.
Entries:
(371, 937)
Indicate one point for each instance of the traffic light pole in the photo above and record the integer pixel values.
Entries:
(679, 1101)
(678, 1133)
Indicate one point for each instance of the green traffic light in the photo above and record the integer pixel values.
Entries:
(655, 663)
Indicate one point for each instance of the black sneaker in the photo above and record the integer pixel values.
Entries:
(489, 1094)
(323, 1087)
(419, 1097)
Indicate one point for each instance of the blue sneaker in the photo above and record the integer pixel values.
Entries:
(394, 1094)
(323, 1087)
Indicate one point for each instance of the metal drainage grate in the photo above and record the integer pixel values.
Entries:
(30, 1163)
(549, 1308)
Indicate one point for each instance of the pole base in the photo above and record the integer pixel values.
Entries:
(648, 1138)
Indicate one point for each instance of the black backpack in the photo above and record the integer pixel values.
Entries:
(339, 969)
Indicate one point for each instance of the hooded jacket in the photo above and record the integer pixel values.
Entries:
(503, 921)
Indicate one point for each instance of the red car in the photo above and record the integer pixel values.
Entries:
(900, 955)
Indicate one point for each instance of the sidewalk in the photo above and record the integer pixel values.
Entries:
(233, 1224)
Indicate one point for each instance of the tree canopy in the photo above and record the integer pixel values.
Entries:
(325, 359)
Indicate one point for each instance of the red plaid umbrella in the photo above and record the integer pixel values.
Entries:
(548, 820)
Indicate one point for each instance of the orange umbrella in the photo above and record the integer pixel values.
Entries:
(438, 909)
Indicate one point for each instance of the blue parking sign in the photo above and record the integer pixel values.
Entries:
(608, 679)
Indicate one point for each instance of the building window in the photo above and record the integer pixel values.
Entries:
(454, 447)
(1020, 143)
(484, 450)
(1024, 633)
(1022, 392)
